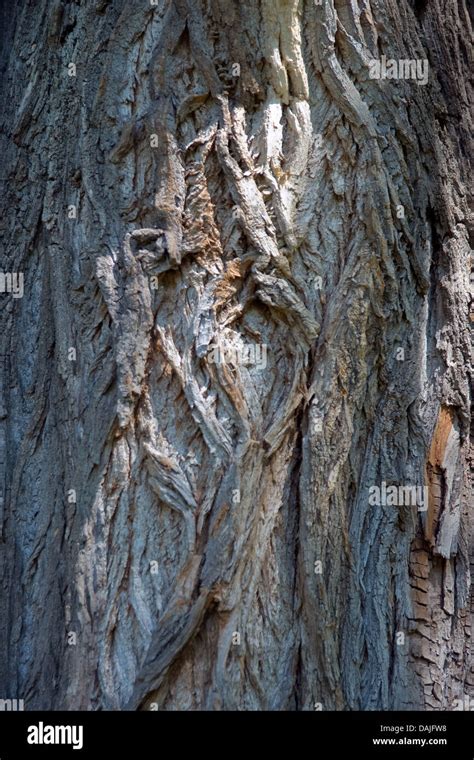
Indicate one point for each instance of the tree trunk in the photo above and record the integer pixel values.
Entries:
(235, 410)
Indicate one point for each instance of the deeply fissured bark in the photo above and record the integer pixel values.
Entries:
(246, 301)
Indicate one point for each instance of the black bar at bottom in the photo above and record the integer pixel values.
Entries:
(98, 734)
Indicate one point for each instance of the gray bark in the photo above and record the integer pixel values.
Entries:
(187, 529)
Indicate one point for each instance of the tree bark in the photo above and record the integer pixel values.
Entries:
(246, 309)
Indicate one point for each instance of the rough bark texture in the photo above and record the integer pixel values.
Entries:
(237, 179)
